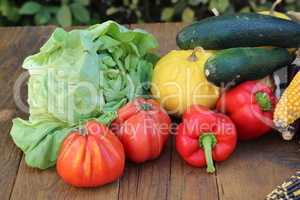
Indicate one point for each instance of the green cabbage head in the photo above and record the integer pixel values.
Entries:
(77, 76)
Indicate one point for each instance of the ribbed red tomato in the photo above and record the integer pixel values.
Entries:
(92, 158)
(143, 128)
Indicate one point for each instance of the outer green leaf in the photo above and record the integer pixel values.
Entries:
(107, 118)
(167, 14)
(126, 2)
(152, 58)
(52, 9)
(83, 2)
(196, 2)
(188, 15)
(42, 17)
(39, 140)
(78, 76)
(114, 105)
(245, 9)
(80, 12)
(64, 16)
(13, 14)
(8, 9)
(220, 5)
(30, 8)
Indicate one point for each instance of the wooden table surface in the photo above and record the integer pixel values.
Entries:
(253, 170)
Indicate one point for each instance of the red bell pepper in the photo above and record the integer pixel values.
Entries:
(204, 136)
(143, 128)
(250, 106)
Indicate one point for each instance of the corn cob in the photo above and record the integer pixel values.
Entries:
(287, 111)
(289, 190)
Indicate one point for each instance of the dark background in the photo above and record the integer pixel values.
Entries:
(85, 12)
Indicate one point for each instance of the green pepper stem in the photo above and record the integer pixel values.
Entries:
(263, 101)
(207, 142)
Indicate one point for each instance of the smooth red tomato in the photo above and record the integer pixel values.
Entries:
(143, 128)
(92, 158)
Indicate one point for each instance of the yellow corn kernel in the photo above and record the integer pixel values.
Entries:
(287, 110)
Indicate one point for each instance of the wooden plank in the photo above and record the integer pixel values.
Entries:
(175, 179)
(13, 49)
(46, 184)
(257, 167)
(251, 172)
(191, 183)
(151, 179)
(185, 182)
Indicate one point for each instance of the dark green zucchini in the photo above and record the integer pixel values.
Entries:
(240, 30)
(241, 64)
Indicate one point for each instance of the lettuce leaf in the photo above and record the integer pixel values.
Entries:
(77, 76)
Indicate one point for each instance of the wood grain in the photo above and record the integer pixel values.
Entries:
(46, 184)
(38, 184)
(179, 181)
(257, 167)
(191, 183)
(151, 179)
(185, 182)
(10, 155)
(253, 170)
(13, 49)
